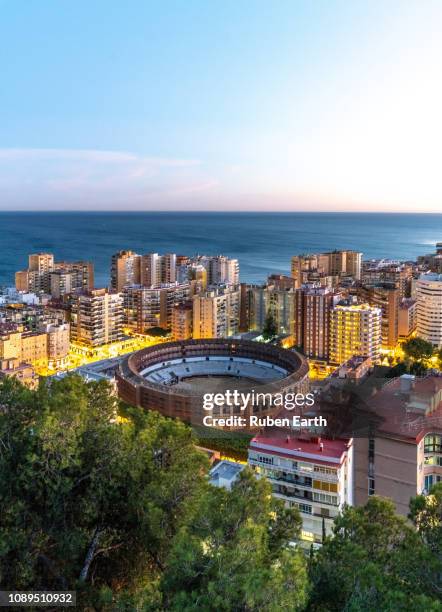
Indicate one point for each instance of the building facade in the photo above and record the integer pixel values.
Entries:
(97, 318)
(429, 308)
(312, 474)
(355, 330)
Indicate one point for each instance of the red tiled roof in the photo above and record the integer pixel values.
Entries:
(291, 446)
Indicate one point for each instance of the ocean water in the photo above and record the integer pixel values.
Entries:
(263, 242)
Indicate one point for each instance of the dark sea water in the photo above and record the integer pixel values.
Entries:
(263, 242)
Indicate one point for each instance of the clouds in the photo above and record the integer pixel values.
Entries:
(84, 179)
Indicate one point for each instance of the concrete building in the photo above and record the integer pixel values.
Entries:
(403, 456)
(222, 270)
(125, 270)
(58, 341)
(269, 300)
(61, 283)
(97, 318)
(385, 271)
(355, 330)
(24, 372)
(312, 474)
(43, 275)
(329, 267)
(432, 261)
(216, 312)
(182, 321)
(429, 308)
(148, 307)
(385, 296)
(158, 269)
(407, 318)
(311, 329)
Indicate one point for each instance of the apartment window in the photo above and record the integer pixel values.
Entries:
(266, 460)
(371, 489)
(433, 443)
(305, 508)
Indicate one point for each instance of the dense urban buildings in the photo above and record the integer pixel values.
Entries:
(326, 268)
(44, 275)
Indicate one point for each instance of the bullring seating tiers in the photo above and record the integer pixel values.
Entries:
(176, 370)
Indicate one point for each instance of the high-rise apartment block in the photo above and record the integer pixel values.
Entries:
(125, 270)
(266, 300)
(157, 269)
(97, 318)
(216, 312)
(222, 270)
(429, 308)
(148, 307)
(182, 321)
(400, 275)
(313, 306)
(43, 275)
(386, 296)
(407, 318)
(355, 330)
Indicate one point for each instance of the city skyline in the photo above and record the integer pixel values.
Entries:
(325, 107)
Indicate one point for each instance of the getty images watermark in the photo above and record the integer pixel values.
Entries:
(238, 401)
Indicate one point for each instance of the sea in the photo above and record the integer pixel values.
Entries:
(263, 242)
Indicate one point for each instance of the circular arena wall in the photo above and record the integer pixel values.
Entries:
(171, 377)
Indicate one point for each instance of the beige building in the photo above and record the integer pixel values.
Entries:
(23, 372)
(125, 270)
(58, 342)
(45, 275)
(148, 307)
(407, 318)
(216, 313)
(182, 321)
(158, 269)
(385, 296)
(403, 457)
(97, 318)
(326, 268)
(355, 330)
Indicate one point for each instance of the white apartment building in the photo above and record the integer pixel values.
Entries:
(312, 474)
(429, 308)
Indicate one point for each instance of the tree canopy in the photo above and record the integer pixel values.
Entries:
(418, 348)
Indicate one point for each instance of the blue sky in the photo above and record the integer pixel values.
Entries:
(289, 105)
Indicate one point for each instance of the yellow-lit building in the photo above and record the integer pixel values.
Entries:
(355, 330)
